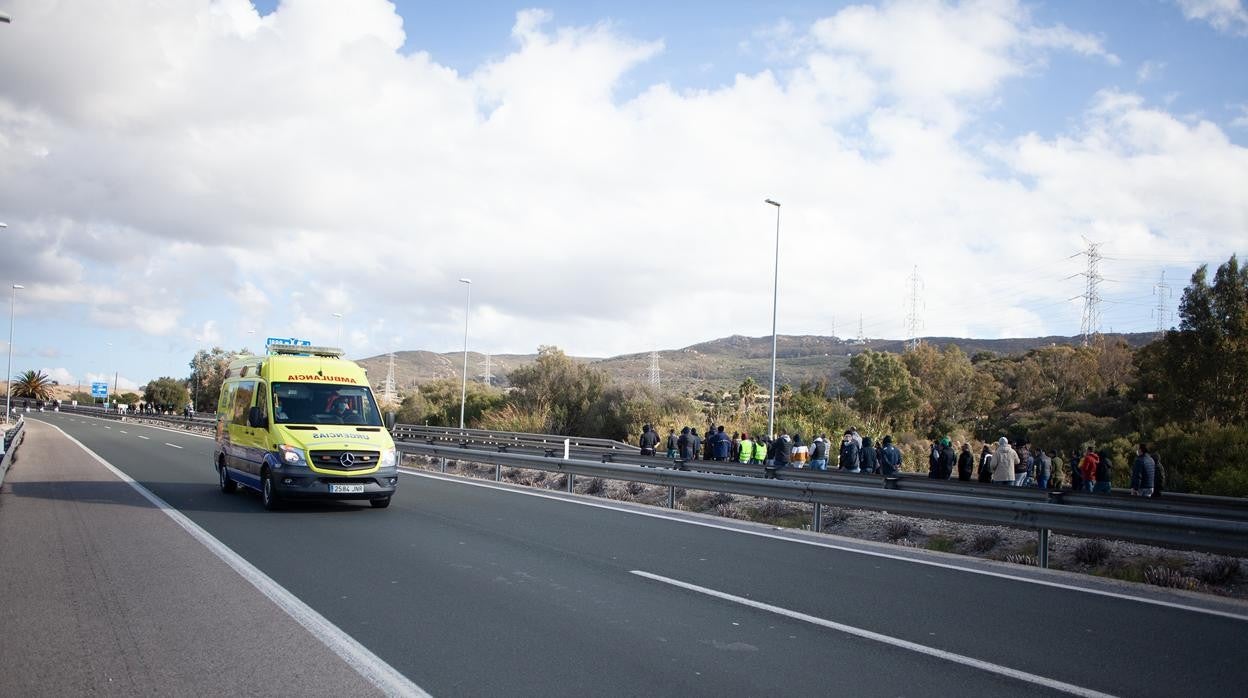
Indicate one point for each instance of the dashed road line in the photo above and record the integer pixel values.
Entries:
(173, 445)
(143, 437)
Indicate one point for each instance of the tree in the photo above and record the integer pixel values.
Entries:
(884, 390)
(437, 403)
(953, 392)
(207, 373)
(746, 393)
(565, 388)
(1199, 372)
(166, 391)
(33, 384)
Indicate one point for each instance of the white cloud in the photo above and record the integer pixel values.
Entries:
(196, 172)
(1149, 71)
(1240, 121)
(1228, 16)
(61, 375)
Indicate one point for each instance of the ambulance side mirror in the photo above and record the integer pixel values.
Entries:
(256, 418)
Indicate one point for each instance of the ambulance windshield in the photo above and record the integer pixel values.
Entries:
(324, 403)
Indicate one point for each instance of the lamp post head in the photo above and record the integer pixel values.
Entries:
(338, 315)
(465, 281)
(18, 286)
(773, 203)
(4, 225)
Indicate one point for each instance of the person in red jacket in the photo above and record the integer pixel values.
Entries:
(1087, 468)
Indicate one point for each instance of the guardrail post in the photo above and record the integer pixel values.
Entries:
(571, 481)
(671, 496)
(892, 483)
(443, 464)
(818, 522)
(1055, 497)
(498, 472)
(1042, 550)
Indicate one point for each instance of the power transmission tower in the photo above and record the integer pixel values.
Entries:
(833, 327)
(913, 321)
(388, 392)
(862, 338)
(485, 371)
(1162, 290)
(1091, 324)
(655, 380)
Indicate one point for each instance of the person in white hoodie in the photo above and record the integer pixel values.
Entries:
(1003, 462)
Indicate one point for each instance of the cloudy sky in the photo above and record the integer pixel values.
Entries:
(182, 174)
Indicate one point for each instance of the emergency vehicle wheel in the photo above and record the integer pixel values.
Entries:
(267, 496)
(227, 485)
(381, 503)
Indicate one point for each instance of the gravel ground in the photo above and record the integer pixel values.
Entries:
(1123, 560)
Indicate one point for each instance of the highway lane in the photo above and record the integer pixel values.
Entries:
(469, 589)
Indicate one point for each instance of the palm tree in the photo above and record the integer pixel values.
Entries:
(746, 393)
(33, 384)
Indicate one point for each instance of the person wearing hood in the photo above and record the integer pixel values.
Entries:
(966, 463)
(849, 454)
(945, 460)
(868, 457)
(685, 444)
(890, 458)
(1087, 469)
(1004, 460)
(784, 451)
(800, 455)
(985, 464)
(819, 453)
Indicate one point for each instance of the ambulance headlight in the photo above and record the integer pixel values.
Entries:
(387, 457)
(289, 455)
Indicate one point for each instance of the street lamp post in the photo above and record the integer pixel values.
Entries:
(8, 374)
(775, 296)
(339, 316)
(463, 389)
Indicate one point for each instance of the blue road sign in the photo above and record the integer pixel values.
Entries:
(99, 389)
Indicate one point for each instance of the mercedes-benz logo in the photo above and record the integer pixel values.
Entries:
(347, 460)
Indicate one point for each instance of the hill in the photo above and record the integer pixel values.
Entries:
(720, 364)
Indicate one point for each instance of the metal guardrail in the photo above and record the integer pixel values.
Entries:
(1187, 532)
(103, 413)
(12, 439)
(1230, 508)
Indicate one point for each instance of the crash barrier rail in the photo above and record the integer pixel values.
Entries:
(104, 413)
(1231, 508)
(1186, 532)
(12, 439)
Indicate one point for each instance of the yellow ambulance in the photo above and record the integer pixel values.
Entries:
(301, 423)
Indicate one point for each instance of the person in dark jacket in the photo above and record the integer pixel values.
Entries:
(985, 465)
(720, 443)
(868, 457)
(889, 458)
(933, 458)
(783, 451)
(966, 463)
(1143, 471)
(706, 445)
(945, 462)
(649, 440)
(673, 443)
(1104, 473)
(686, 444)
(849, 454)
(696, 442)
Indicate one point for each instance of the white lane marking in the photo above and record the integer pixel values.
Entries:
(1067, 584)
(143, 437)
(885, 639)
(152, 426)
(107, 427)
(376, 671)
(173, 445)
(123, 431)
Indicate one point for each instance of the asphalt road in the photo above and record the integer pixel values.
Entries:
(474, 589)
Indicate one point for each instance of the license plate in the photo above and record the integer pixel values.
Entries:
(346, 489)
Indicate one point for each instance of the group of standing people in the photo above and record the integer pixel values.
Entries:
(856, 454)
(1003, 463)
